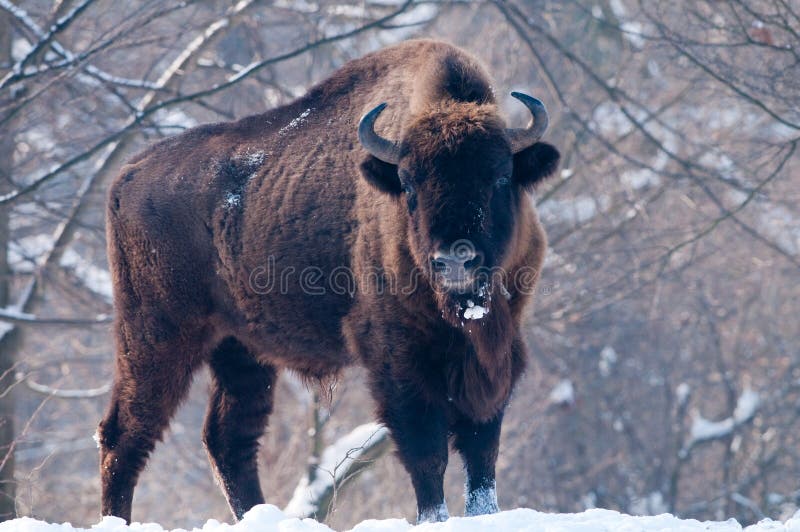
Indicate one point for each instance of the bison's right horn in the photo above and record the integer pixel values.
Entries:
(386, 150)
(524, 138)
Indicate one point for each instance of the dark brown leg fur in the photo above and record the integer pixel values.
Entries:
(419, 430)
(241, 401)
(478, 444)
(147, 390)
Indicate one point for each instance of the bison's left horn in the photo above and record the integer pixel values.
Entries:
(386, 150)
(524, 138)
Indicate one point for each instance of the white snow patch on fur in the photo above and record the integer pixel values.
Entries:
(474, 312)
(434, 515)
(255, 158)
(251, 159)
(296, 122)
(233, 200)
(481, 501)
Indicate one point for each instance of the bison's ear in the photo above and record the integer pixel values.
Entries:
(381, 175)
(533, 165)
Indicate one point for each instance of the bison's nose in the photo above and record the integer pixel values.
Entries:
(456, 267)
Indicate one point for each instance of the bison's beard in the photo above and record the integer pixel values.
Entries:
(461, 308)
(481, 381)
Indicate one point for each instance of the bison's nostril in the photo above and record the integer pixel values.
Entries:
(455, 267)
(473, 263)
(439, 266)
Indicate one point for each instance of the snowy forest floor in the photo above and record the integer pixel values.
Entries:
(267, 518)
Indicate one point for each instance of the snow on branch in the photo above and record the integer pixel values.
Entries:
(147, 107)
(563, 394)
(117, 140)
(46, 38)
(87, 393)
(13, 315)
(704, 430)
(339, 462)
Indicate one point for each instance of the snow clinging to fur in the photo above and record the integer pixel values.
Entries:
(296, 122)
(233, 200)
(434, 515)
(474, 312)
(481, 501)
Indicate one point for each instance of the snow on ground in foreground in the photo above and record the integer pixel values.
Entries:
(267, 518)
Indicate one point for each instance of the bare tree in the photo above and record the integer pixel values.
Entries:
(7, 485)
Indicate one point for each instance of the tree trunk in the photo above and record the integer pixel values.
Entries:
(7, 348)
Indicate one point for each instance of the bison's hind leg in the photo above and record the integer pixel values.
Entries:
(241, 401)
(151, 380)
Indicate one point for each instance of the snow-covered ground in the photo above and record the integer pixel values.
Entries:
(268, 518)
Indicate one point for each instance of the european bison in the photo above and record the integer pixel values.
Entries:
(304, 239)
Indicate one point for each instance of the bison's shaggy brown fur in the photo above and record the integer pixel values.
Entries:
(277, 242)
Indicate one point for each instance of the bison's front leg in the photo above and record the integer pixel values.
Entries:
(419, 430)
(478, 444)
(241, 402)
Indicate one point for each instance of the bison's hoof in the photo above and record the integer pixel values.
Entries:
(481, 501)
(435, 514)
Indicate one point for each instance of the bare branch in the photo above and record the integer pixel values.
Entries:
(61, 393)
(146, 111)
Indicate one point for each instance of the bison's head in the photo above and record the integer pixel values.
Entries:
(463, 176)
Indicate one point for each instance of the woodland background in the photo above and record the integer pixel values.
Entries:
(665, 339)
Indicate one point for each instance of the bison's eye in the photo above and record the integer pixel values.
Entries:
(411, 196)
(503, 181)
